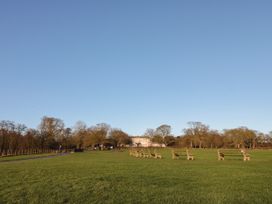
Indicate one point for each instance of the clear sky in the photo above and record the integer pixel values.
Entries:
(137, 64)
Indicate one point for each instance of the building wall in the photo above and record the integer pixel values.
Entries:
(144, 142)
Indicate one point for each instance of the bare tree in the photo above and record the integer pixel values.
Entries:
(80, 133)
(51, 130)
(150, 132)
(163, 130)
(197, 131)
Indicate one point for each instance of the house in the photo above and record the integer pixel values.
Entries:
(142, 141)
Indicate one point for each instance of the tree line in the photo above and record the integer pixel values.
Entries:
(52, 135)
(199, 135)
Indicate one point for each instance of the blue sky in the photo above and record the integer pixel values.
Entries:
(137, 64)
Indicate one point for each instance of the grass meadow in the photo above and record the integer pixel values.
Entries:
(116, 177)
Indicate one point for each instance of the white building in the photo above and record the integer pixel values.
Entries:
(144, 142)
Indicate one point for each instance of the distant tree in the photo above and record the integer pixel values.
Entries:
(51, 130)
(213, 139)
(262, 140)
(150, 132)
(104, 128)
(79, 134)
(97, 135)
(169, 140)
(240, 137)
(184, 141)
(197, 132)
(11, 137)
(157, 139)
(163, 130)
(161, 135)
(119, 137)
(31, 140)
(67, 140)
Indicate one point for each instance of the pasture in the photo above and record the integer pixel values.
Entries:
(116, 177)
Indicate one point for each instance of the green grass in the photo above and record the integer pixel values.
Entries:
(24, 157)
(115, 177)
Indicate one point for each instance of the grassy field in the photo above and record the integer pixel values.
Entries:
(115, 177)
(25, 157)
